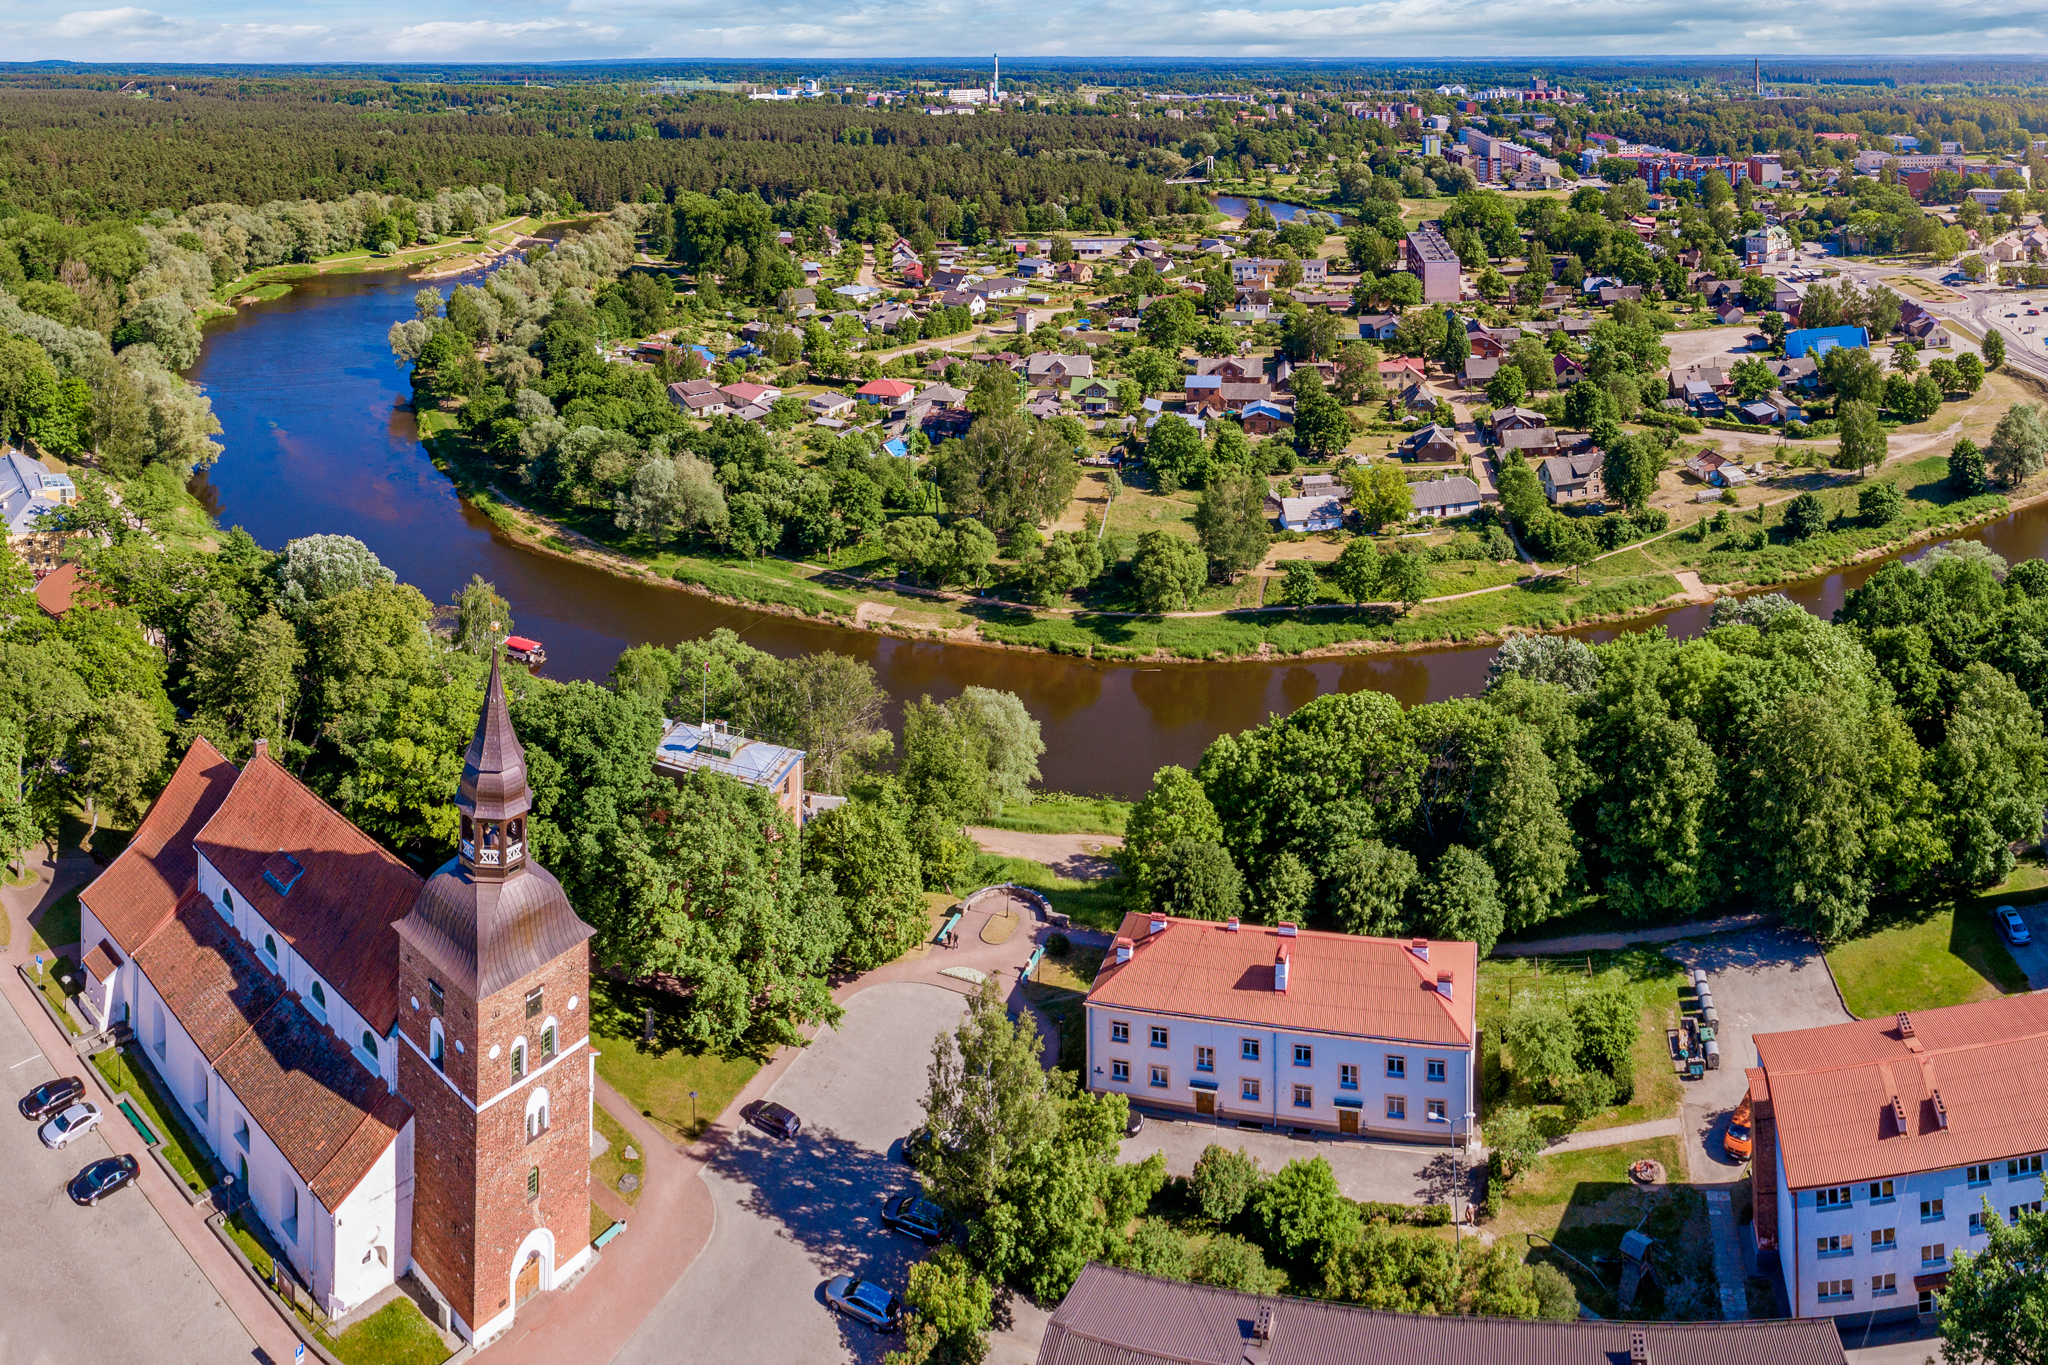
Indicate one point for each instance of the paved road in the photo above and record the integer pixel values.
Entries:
(792, 1215)
(108, 1284)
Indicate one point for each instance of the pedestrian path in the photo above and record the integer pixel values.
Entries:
(1727, 1256)
(1605, 943)
(1615, 1137)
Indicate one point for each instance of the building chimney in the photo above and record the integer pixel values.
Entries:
(1419, 947)
(1638, 1346)
(1443, 984)
(1282, 961)
(1940, 1112)
(1288, 928)
(1905, 1024)
(1158, 924)
(1259, 1350)
(1230, 925)
(1123, 949)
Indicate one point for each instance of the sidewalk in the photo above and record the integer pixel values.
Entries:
(250, 1305)
(1615, 1137)
(1605, 943)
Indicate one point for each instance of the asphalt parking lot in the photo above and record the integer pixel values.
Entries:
(790, 1215)
(1385, 1172)
(2031, 956)
(109, 1283)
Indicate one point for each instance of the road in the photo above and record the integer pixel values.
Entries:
(1983, 308)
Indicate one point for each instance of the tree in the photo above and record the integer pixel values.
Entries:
(1174, 808)
(861, 846)
(315, 568)
(1608, 1021)
(1516, 1142)
(119, 751)
(1507, 387)
(1169, 571)
(1304, 1216)
(244, 679)
(1169, 323)
(951, 1303)
(1631, 468)
(2019, 445)
(986, 1100)
(1880, 503)
(1366, 884)
(1571, 542)
(1864, 442)
(1300, 584)
(1995, 1304)
(1461, 899)
(1358, 568)
(1969, 373)
(1197, 880)
(969, 551)
(944, 768)
(1752, 379)
(1009, 469)
(1229, 1262)
(1405, 578)
(1174, 453)
(1993, 348)
(1542, 1044)
(1852, 372)
(1230, 522)
(1992, 769)
(1224, 1182)
(1561, 659)
(1967, 476)
(482, 618)
(1381, 497)
(1805, 516)
(1008, 736)
(1321, 425)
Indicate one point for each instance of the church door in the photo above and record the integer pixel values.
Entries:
(528, 1283)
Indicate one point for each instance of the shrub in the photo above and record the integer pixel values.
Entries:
(1302, 1213)
(1625, 1079)
(1560, 1302)
(1059, 945)
(1224, 1182)
(1652, 521)
(1431, 1216)
(1586, 1094)
(1607, 1020)
(1154, 1248)
(1805, 516)
(1232, 1263)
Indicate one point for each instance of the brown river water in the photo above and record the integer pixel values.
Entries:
(320, 438)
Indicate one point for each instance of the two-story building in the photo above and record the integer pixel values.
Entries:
(716, 747)
(1288, 1028)
(1886, 1146)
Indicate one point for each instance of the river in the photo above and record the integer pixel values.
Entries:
(1237, 206)
(319, 438)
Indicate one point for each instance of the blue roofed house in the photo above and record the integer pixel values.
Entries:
(894, 446)
(28, 491)
(1818, 341)
(715, 747)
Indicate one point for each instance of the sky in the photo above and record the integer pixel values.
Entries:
(562, 30)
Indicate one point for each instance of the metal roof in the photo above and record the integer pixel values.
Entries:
(686, 747)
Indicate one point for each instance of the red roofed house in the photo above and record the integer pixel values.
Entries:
(395, 1072)
(1294, 1029)
(1878, 1143)
(885, 391)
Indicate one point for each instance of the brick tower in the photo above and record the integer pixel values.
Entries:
(493, 986)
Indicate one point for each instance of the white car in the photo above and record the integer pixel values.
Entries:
(2015, 927)
(67, 1127)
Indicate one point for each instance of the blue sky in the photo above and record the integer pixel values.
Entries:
(542, 30)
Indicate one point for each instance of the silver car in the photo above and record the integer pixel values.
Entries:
(865, 1300)
(2015, 927)
(67, 1127)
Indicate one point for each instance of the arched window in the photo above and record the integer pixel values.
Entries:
(320, 995)
(270, 947)
(370, 1043)
(316, 1000)
(227, 905)
(518, 1059)
(536, 1114)
(436, 1043)
(547, 1041)
(533, 1183)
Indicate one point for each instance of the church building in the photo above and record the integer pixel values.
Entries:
(395, 1074)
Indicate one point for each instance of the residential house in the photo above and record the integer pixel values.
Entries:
(1616, 293)
(1273, 1025)
(57, 590)
(1802, 373)
(1231, 369)
(913, 273)
(1570, 479)
(858, 293)
(1948, 1117)
(1426, 255)
(749, 395)
(1535, 442)
(1002, 287)
(886, 317)
(1729, 315)
(958, 298)
(1228, 398)
(1073, 272)
(885, 391)
(1818, 341)
(942, 395)
(1324, 486)
(1095, 396)
(28, 492)
(1306, 514)
(828, 404)
(1515, 419)
(1416, 398)
(1450, 496)
(1051, 366)
(1479, 371)
(1264, 418)
(1434, 443)
(939, 423)
(1121, 1317)
(1567, 369)
(1378, 326)
(713, 746)
(1033, 267)
(793, 300)
(699, 398)
(944, 279)
(1402, 368)
(1713, 377)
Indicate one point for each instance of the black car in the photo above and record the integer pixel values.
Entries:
(915, 1216)
(102, 1178)
(918, 1144)
(1134, 1124)
(51, 1097)
(773, 1119)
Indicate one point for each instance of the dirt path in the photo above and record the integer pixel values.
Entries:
(1080, 856)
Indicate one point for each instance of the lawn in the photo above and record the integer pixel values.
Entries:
(396, 1334)
(1062, 813)
(1652, 978)
(657, 1078)
(187, 1155)
(57, 927)
(599, 1221)
(56, 992)
(251, 1245)
(1097, 904)
(606, 1169)
(1926, 956)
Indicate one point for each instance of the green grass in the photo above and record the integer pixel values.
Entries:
(187, 1155)
(657, 1078)
(1093, 904)
(56, 992)
(57, 927)
(1061, 813)
(396, 1334)
(251, 1245)
(599, 1221)
(607, 1169)
(1584, 1201)
(1926, 956)
(1650, 977)
(1065, 1010)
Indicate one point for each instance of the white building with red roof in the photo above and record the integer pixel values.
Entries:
(1880, 1142)
(1289, 1028)
(393, 1073)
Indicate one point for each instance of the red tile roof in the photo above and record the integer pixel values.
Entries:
(58, 589)
(207, 976)
(1831, 1091)
(338, 915)
(888, 388)
(140, 890)
(1337, 983)
(102, 961)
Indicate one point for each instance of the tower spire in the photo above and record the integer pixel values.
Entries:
(494, 796)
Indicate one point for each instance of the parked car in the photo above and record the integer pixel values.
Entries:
(2015, 927)
(1135, 1124)
(102, 1178)
(51, 1097)
(919, 1142)
(1738, 1141)
(866, 1301)
(915, 1216)
(773, 1119)
(69, 1126)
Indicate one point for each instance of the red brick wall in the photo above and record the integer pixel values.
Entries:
(471, 1210)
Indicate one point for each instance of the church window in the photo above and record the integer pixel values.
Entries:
(533, 1003)
(547, 1042)
(316, 998)
(533, 1183)
(536, 1114)
(270, 948)
(436, 1044)
(437, 1002)
(518, 1060)
(370, 1044)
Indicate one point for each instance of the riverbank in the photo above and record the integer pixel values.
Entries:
(1690, 564)
(448, 259)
